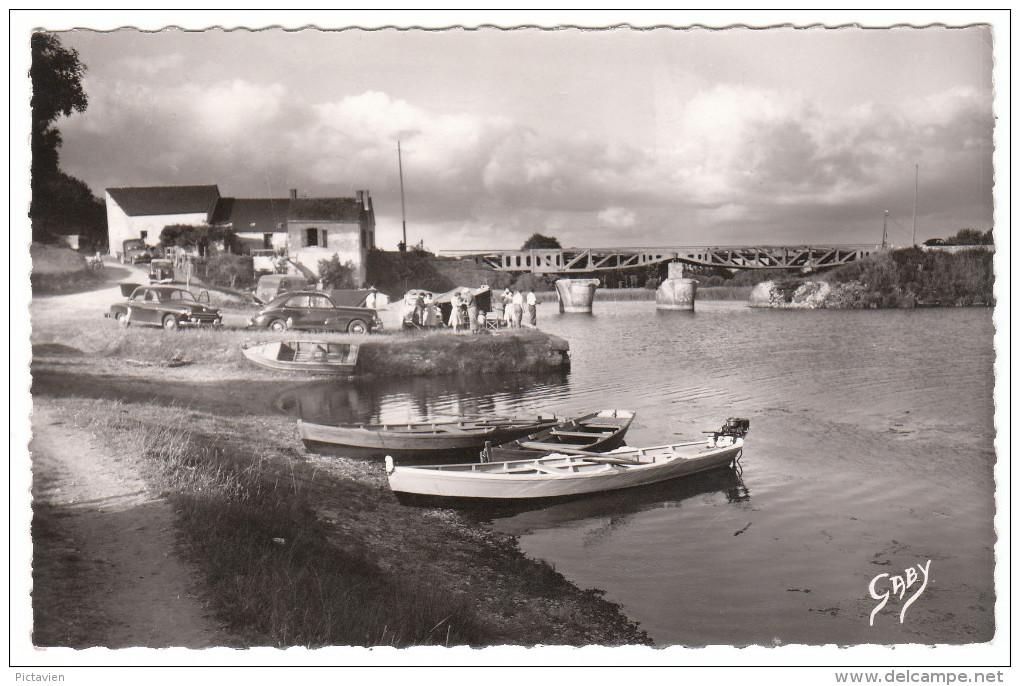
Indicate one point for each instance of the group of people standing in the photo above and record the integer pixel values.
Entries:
(511, 308)
(514, 305)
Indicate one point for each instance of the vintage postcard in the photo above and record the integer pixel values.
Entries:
(511, 339)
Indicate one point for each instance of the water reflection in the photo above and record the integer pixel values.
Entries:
(418, 399)
(521, 517)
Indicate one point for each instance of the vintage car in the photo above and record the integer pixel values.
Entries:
(135, 250)
(167, 306)
(161, 271)
(314, 311)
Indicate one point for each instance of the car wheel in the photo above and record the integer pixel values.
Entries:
(169, 322)
(357, 326)
(123, 319)
(278, 325)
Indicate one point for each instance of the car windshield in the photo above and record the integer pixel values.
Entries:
(177, 295)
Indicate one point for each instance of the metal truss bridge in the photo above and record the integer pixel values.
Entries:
(584, 260)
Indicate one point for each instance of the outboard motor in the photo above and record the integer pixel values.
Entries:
(734, 428)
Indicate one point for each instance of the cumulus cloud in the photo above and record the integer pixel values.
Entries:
(739, 161)
(618, 217)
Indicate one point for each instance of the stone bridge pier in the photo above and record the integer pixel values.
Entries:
(676, 292)
(576, 295)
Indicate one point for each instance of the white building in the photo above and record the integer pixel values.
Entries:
(143, 211)
(307, 229)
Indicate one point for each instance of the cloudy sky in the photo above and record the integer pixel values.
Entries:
(601, 138)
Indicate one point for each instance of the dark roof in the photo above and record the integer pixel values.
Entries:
(149, 200)
(346, 210)
(252, 215)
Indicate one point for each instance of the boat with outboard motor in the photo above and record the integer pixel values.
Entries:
(571, 474)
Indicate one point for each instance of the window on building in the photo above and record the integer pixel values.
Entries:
(143, 234)
(267, 240)
(311, 237)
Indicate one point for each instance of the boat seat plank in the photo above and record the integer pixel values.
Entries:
(539, 445)
(577, 434)
(549, 470)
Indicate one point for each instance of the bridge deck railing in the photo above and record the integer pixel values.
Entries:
(579, 260)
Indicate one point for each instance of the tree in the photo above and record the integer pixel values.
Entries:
(540, 242)
(336, 274)
(200, 237)
(56, 75)
(61, 204)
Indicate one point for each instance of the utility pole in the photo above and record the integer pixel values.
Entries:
(885, 229)
(403, 215)
(913, 232)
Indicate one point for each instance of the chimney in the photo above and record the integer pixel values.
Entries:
(293, 194)
(365, 201)
(360, 195)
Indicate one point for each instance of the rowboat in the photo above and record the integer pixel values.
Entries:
(595, 433)
(560, 475)
(457, 438)
(316, 357)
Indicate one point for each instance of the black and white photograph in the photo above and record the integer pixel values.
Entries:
(509, 339)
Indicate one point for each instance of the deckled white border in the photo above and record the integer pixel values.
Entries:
(720, 664)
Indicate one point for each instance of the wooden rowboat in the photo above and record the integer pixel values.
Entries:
(316, 357)
(597, 432)
(455, 439)
(560, 475)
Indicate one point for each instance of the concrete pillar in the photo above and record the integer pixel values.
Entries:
(676, 292)
(576, 295)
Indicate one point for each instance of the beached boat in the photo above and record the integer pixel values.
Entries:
(454, 439)
(316, 357)
(596, 432)
(560, 475)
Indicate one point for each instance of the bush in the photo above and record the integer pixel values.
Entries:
(396, 272)
(200, 237)
(336, 274)
(230, 271)
(534, 282)
(539, 242)
(901, 278)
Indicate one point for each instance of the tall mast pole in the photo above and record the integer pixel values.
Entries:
(403, 215)
(885, 229)
(913, 233)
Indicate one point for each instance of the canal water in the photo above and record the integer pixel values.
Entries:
(870, 453)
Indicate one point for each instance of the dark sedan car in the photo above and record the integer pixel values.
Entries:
(314, 311)
(167, 306)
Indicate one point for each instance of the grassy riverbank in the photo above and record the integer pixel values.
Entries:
(218, 351)
(912, 277)
(296, 549)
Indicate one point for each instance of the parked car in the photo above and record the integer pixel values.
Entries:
(314, 311)
(134, 251)
(167, 306)
(161, 271)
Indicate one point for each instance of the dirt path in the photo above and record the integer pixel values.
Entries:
(105, 571)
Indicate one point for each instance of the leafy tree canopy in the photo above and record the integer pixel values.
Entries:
(971, 237)
(61, 204)
(540, 242)
(56, 74)
(200, 237)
